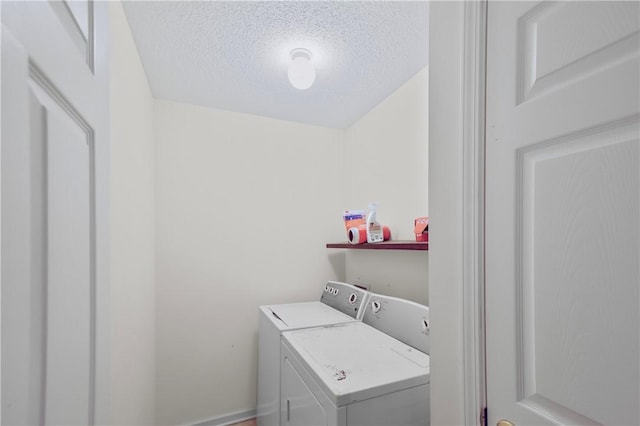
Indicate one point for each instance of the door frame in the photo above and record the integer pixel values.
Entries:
(0, 210)
(473, 207)
(457, 52)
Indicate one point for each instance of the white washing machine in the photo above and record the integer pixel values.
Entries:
(339, 303)
(374, 372)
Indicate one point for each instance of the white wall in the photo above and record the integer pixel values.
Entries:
(245, 205)
(446, 220)
(388, 163)
(132, 232)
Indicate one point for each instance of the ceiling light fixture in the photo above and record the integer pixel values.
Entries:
(301, 73)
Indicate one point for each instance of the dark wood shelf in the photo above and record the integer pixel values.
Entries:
(386, 245)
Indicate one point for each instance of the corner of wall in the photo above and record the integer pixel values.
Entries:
(132, 230)
(387, 152)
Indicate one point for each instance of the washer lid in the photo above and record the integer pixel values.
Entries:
(291, 316)
(354, 361)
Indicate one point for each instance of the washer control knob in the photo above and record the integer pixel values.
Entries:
(335, 291)
(326, 288)
(352, 298)
(425, 326)
(376, 306)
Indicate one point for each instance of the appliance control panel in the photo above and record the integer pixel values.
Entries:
(346, 298)
(402, 319)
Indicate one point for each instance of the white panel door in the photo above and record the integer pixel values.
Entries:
(54, 160)
(562, 213)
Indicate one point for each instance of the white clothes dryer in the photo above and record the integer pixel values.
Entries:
(339, 303)
(374, 372)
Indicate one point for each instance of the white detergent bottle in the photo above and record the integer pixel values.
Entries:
(374, 229)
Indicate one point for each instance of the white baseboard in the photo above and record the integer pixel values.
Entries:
(228, 419)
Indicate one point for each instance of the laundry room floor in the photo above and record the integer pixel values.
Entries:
(250, 422)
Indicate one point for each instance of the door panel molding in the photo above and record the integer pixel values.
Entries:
(555, 413)
(610, 150)
(52, 91)
(556, 45)
(619, 131)
(49, 103)
(79, 26)
(38, 286)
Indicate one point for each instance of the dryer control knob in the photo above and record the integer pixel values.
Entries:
(326, 288)
(425, 326)
(336, 291)
(376, 306)
(352, 298)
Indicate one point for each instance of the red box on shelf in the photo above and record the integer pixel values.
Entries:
(421, 229)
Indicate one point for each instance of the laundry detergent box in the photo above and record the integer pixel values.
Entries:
(353, 218)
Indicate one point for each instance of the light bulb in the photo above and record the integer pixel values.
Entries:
(301, 72)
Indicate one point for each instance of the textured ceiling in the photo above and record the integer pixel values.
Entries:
(234, 55)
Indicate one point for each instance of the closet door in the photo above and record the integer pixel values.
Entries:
(54, 213)
(562, 213)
